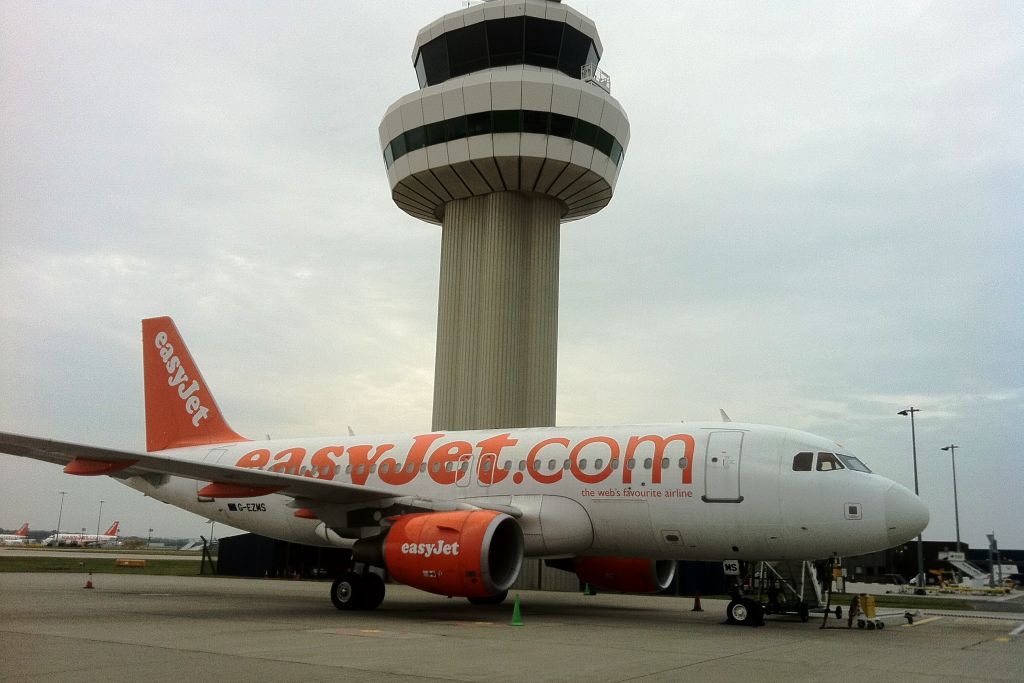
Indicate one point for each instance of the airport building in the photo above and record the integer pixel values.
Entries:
(512, 132)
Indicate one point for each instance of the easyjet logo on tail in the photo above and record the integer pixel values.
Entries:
(176, 377)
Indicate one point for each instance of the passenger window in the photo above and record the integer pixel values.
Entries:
(682, 463)
(828, 462)
(522, 465)
(802, 462)
(647, 463)
(565, 465)
(583, 463)
(598, 463)
(551, 465)
(385, 468)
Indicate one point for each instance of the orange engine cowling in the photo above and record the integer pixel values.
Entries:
(468, 553)
(626, 574)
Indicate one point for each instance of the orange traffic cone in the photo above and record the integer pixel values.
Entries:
(696, 603)
(88, 582)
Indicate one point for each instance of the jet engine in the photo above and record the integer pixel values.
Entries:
(625, 574)
(466, 553)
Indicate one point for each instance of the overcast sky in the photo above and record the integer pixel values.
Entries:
(818, 222)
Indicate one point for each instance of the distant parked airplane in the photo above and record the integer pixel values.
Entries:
(455, 513)
(107, 538)
(19, 537)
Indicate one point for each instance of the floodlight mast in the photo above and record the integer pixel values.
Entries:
(917, 492)
(956, 508)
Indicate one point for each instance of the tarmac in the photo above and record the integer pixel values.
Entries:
(159, 628)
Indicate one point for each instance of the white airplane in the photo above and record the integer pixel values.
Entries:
(455, 513)
(19, 537)
(109, 537)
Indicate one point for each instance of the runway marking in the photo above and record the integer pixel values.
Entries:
(923, 621)
(1017, 631)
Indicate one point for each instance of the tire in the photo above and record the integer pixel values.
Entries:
(346, 591)
(372, 593)
(736, 612)
(839, 612)
(495, 599)
(803, 612)
(745, 612)
(881, 625)
(861, 623)
(871, 626)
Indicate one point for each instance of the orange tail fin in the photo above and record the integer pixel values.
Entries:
(23, 531)
(112, 531)
(180, 410)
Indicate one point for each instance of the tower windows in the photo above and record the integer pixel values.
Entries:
(504, 42)
(504, 121)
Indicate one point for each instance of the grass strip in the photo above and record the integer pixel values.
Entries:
(97, 565)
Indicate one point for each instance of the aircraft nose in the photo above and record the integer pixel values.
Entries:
(906, 515)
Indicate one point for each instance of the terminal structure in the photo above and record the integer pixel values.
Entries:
(512, 132)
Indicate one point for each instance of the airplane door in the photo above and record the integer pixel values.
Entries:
(464, 473)
(722, 467)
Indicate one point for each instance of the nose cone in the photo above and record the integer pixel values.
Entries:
(906, 515)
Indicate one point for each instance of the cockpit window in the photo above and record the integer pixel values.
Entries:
(853, 463)
(828, 462)
(802, 462)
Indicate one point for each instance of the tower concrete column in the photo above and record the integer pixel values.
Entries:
(512, 132)
(497, 339)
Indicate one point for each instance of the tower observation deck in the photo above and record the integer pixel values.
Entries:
(512, 132)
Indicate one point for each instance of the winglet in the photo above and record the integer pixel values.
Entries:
(725, 417)
(180, 409)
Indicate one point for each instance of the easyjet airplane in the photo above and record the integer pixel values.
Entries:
(455, 513)
(106, 538)
(19, 537)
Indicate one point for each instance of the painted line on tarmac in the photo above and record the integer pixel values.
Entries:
(1017, 631)
(919, 622)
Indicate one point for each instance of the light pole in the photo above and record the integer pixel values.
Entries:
(956, 508)
(917, 492)
(98, 518)
(60, 513)
(149, 540)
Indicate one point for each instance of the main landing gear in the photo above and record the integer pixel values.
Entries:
(357, 591)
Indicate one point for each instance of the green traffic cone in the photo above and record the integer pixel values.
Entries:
(517, 618)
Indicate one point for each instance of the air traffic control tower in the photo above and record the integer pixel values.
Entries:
(512, 132)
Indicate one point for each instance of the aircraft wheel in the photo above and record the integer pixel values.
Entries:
(880, 624)
(803, 612)
(839, 612)
(495, 599)
(372, 593)
(909, 617)
(871, 626)
(861, 623)
(745, 612)
(345, 591)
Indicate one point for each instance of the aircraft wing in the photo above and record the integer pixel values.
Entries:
(307, 488)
